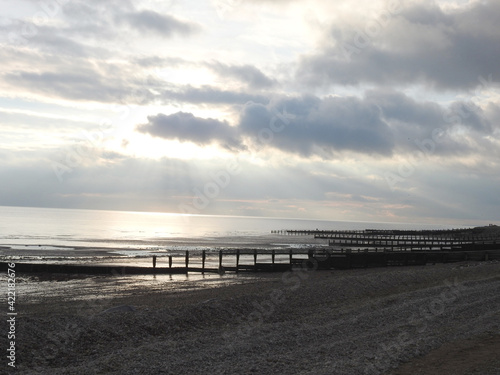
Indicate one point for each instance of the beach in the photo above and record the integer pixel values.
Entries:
(395, 320)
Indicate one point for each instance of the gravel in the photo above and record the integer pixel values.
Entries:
(364, 321)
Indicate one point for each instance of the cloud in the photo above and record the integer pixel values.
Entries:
(210, 94)
(22, 122)
(381, 123)
(412, 122)
(186, 127)
(329, 190)
(85, 84)
(165, 25)
(112, 83)
(419, 44)
(320, 126)
(247, 74)
(328, 152)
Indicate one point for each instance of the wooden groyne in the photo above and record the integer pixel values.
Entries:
(266, 261)
(454, 239)
(431, 232)
(343, 250)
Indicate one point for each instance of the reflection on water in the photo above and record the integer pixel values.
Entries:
(116, 229)
(97, 288)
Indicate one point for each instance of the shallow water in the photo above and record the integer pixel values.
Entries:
(97, 289)
(21, 226)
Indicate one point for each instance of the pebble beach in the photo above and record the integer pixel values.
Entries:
(395, 320)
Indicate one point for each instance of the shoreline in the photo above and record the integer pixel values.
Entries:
(323, 322)
(156, 245)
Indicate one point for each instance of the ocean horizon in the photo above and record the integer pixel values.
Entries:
(35, 226)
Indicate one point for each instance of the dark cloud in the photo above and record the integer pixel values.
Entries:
(418, 44)
(162, 24)
(383, 123)
(309, 125)
(247, 74)
(400, 109)
(186, 127)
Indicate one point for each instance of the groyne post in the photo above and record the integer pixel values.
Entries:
(203, 257)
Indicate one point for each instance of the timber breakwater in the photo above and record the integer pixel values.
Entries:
(340, 250)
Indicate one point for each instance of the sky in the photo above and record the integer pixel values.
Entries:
(384, 111)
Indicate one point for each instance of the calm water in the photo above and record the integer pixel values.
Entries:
(69, 227)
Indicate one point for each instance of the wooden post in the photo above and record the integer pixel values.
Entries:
(237, 259)
(290, 254)
(170, 261)
(203, 257)
(154, 261)
(187, 260)
(220, 259)
(273, 255)
(255, 259)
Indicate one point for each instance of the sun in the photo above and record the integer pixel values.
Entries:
(137, 145)
(126, 139)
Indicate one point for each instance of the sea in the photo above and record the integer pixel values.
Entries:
(56, 227)
(119, 238)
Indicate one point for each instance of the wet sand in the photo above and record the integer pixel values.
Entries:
(159, 247)
(362, 321)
